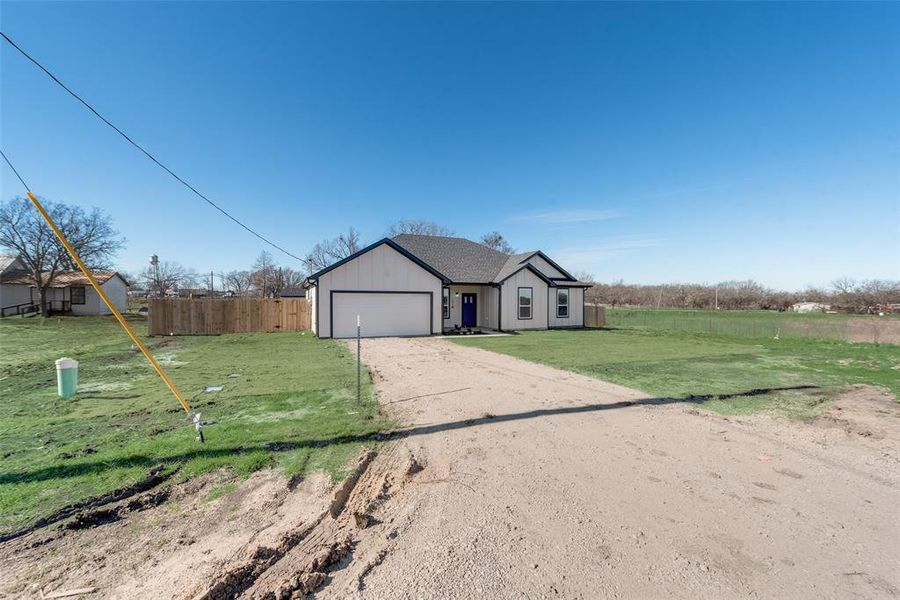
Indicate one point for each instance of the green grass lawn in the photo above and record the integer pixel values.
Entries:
(675, 364)
(289, 401)
(744, 323)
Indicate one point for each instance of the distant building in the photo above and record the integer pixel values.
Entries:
(292, 293)
(70, 292)
(810, 307)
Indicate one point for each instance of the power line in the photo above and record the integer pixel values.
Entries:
(141, 148)
(25, 185)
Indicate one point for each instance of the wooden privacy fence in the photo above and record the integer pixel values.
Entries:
(594, 315)
(213, 316)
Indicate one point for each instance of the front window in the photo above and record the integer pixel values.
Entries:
(76, 295)
(525, 302)
(562, 303)
(446, 303)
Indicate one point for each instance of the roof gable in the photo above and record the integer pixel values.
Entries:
(11, 262)
(390, 243)
(458, 260)
(533, 269)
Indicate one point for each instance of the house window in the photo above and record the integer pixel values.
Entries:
(525, 294)
(446, 303)
(76, 295)
(562, 303)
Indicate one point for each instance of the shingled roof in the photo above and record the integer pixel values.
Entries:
(456, 260)
(460, 260)
(62, 279)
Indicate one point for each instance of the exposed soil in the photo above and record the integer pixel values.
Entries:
(265, 538)
(513, 480)
(867, 412)
(166, 543)
(541, 483)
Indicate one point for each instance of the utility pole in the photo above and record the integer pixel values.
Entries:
(717, 297)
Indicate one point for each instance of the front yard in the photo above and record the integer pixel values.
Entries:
(678, 364)
(288, 401)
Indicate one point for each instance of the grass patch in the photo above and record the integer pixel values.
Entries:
(288, 401)
(678, 364)
(220, 490)
(757, 324)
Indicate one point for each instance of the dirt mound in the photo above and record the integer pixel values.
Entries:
(164, 543)
(866, 411)
(210, 538)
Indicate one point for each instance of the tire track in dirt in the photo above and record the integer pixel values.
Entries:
(303, 559)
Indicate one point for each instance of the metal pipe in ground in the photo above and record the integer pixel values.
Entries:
(358, 363)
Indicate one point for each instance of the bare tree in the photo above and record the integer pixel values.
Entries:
(844, 285)
(418, 227)
(495, 241)
(346, 244)
(264, 275)
(167, 277)
(291, 278)
(328, 252)
(239, 282)
(23, 231)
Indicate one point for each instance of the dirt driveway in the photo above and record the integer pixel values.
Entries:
(541, 483)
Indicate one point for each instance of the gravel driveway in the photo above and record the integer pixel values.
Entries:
(539, 483)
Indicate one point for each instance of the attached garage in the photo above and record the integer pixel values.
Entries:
(381, 313)
(393, 292)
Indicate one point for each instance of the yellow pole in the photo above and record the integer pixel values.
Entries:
(128, 329)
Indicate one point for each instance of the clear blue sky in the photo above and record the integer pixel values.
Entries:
(649, 142)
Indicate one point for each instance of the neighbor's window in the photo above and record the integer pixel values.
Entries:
(446, 303)
(525, 302)
(76, 295)
(562, 303)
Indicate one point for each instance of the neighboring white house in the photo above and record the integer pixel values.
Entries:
(808, 307)
(422, 285)
(69, 293)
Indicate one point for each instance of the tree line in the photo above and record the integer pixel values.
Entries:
(23, 232)
(844, 293)
(266, 278)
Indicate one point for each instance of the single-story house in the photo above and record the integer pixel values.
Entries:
(70, 292)
(424, 285)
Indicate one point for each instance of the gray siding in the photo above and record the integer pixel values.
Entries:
(544, 267)
(576, 308)
(379, 269)
(510, 309)
(13, 294)
(485, 305)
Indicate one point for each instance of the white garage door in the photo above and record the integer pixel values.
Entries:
(382, 314)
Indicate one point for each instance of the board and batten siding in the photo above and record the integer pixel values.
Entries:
(546, 268)
(576, 308)
(485, 305)
(510, 300)
(380, 269)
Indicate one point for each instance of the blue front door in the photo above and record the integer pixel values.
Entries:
(468, 310)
